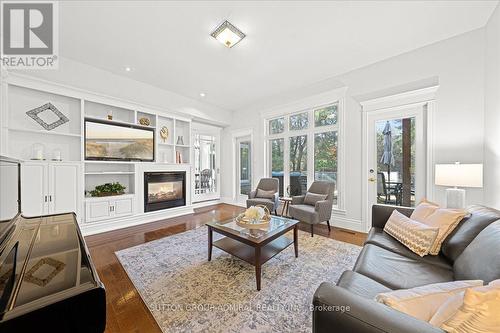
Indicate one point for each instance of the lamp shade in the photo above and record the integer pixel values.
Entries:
(459, 175)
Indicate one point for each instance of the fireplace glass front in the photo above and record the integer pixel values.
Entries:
(164, 190)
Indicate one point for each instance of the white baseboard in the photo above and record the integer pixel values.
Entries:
(206, 203)
(348, 223)
(133, 220)
(231, 201)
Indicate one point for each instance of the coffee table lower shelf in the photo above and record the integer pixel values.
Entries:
(247, 253)
(255, 251)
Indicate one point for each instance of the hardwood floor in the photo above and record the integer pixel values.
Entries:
(125, 310)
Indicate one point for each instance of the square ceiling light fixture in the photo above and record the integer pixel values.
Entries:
(228, 34)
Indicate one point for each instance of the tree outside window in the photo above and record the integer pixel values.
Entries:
(299, 121)
(325, 116)
(325, 158)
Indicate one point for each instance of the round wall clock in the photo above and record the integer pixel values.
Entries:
(164, 133)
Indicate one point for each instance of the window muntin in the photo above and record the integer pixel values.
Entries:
(299, 121)
(277, 126)
(326, 116)
(296, 179)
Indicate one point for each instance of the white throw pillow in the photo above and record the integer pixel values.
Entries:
(480, 313)
(424, 301)
(445, 219)
(449, 308)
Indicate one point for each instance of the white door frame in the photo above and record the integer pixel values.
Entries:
(236, 135)
(423, 98)
(215, 132)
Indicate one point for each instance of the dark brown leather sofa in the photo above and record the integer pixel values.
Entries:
(470, 252)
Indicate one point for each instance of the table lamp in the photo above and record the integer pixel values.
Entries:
(458, 175)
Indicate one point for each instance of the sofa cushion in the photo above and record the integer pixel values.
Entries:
(416, 236)
(361, 285)
(480, 217)
(446, 220)
(424, 301)
(396, 271)
(453, 304)
(481, 260)
(304, 213)
(380, 238)
(423, 210)
(478, 314)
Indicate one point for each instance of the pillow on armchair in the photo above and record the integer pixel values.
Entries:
(312, 198)
(265, 194)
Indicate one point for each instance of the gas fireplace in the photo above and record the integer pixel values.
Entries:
(164, 190)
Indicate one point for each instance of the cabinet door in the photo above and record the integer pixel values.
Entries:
(123, 207)
(96, 211)
(34, 189)
(63, 188)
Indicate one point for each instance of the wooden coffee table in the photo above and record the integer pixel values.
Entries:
(254, 246)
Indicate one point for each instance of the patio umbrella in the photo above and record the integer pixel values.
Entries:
(387, 156)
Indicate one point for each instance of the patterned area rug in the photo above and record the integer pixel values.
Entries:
(186, 293)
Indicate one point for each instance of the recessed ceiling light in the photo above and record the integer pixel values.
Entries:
(202, 94)
(128, 69)
(228, 34)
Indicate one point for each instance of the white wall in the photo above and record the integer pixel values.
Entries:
(457, 64)
(83, 76)
(492, 112)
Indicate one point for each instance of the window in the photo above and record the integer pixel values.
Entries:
(325, 116)
(277, 126)
(299, 154)
(298, 165)
(299, 121)
(277, 159)
(325, 158)
(245, 167)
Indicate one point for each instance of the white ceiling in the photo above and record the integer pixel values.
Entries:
(288, 44)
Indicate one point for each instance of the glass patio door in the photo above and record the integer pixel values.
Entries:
(396, 157)
(206, 166)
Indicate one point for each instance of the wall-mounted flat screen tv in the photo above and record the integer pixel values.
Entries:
(110, 141)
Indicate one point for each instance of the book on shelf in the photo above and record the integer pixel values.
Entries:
(178, 157)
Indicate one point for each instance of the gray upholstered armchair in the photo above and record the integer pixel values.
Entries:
(265, 194)
(315, 206)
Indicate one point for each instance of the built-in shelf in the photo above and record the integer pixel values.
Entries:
(26, 130)
(122, 196)
(19, 133)
(110, 173)
(118, 122)
(112, 162)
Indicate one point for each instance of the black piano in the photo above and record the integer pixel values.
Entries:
(47, 280)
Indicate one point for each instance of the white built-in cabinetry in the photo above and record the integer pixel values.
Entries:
(50, 188)
(97, 209)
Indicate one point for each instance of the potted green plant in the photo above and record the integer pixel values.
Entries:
(108, 189)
